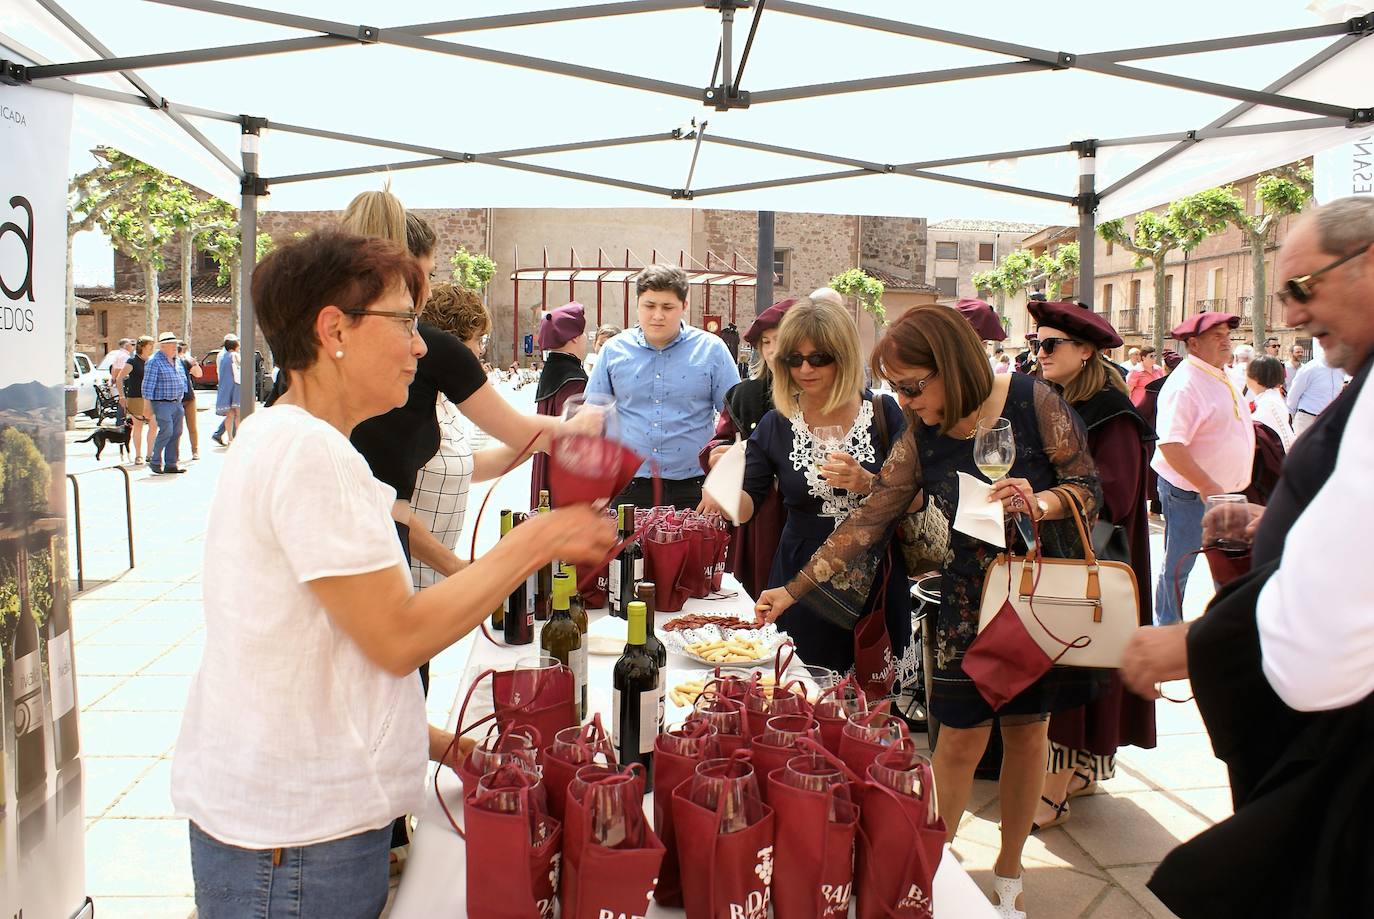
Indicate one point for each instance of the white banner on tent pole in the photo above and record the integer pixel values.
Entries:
(42, 826)
(1345, 170)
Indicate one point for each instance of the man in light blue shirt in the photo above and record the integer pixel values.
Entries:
(1314, 387)
(669, 380)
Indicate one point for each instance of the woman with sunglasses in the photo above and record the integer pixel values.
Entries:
(1072, 357)
(754, 543)
(818, 383)
(934, 360)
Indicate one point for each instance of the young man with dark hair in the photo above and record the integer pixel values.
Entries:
(669, 380)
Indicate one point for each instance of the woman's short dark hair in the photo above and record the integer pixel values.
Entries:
(938, 338)
(326, 268)
(1147, 350)
(231, 344)
(662, 277)
(1266, 371)
(420, 236)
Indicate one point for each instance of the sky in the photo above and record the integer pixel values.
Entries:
(459, 104)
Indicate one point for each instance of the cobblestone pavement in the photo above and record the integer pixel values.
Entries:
(140, 633)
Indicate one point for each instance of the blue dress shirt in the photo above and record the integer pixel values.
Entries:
(163, 381)
(667, 398)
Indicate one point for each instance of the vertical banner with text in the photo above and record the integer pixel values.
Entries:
(42, 827)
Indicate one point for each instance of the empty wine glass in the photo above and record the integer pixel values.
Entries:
(728, 787)
(504, 749)
(615, 810)
(841, 701)
(725, 715)
(593, 772)
(815, 773)
(571, 746)
(875, 727)
(591, 414)
(531, 675)
(692, 738)
(509, 788)
(785, 730)
(906, 772)
(994, 448)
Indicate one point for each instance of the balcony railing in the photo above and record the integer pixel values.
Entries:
(1217, 305)
(1128, 320)
(1273, 312)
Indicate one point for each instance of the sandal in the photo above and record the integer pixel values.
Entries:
(1007, 890)
(1061, 815)
(1089, 786)
(138, 461)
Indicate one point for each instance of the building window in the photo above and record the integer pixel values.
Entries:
(206, 262)
(1111, 247)
(948, 287)
(782, 267)
(102, 320)
(985, 252)
(947, 251)
(1107, 299)
(1168, 290)
(1135, 294)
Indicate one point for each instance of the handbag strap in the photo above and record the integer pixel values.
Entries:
(1031, 567)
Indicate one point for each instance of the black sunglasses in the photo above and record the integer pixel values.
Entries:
(815, 359)
(912, 390)
(1299, 290)
(1049, 344)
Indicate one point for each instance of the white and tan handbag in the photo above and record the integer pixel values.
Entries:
(1080, 611)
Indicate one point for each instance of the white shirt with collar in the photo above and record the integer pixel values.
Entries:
(1316, 613)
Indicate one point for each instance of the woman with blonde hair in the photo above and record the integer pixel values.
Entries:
(822, 445)
(1072, 356)
(376, 213)
(935, 361)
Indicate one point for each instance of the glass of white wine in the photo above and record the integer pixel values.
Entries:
(994, 448)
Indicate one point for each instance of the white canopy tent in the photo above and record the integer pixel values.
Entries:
(619, 104)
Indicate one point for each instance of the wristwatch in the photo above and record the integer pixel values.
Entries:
(1042, 507)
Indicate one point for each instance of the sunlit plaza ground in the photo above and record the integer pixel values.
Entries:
(140, 634)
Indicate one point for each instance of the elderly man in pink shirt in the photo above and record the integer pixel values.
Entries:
(1206, 447)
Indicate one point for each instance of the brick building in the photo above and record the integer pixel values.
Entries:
(809, 249)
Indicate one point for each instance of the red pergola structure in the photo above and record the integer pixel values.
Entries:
(732, 273)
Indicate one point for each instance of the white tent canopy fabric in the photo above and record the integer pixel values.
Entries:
(438, 91)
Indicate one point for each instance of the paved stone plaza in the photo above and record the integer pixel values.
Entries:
(139, 638)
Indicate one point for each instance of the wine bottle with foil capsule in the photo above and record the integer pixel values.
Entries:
(560, 639)
(627, 568)
(543, 591)
(634, 699)
(498, 615)
(577, 608)
(519, 619)
(646, 593)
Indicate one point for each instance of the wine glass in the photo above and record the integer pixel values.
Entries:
(786, 730)
(531, 675)
(591, 414)
(1227, 517)
(503, 749)
(728, 788)
(692, 738)
(994, 448)
(875, 727)
(828, 439)
(811, 772)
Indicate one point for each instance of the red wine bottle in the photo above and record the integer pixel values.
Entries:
(519, 619)
(635, 709)
(61, 670)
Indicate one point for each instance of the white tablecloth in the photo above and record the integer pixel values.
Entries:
(435, 879)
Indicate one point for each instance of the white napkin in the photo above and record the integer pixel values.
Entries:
(725, 482)
(978, 517)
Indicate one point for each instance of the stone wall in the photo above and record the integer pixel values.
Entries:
(210, 323)
(896, 245)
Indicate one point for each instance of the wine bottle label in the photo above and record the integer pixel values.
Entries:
(639, 570)
(613, 589)
(62, 674)
(579, 669)
(650, 717)
(660, 706)
(28, 704)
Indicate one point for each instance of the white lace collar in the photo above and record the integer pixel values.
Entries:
(805, 453)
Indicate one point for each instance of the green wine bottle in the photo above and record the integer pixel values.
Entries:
(519, 619)
(498, 615)
(543, 591)
(635, 718)
(561, 639)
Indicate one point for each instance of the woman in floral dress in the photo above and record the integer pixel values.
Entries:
(936, 363)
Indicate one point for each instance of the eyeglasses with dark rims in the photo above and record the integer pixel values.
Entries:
(1300, 289)
(815, 359)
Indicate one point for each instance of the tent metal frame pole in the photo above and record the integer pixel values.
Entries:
(922, 78)
(154, 98)
(252, 186)
(1228, 43)
(988, 186)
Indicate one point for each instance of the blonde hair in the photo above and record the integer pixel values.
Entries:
(830, 329)
(1088, 382)
(377, 214)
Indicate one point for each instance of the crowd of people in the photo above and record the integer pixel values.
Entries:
(355, 482)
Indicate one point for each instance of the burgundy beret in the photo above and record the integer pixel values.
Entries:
(983, 318)
(770, 318)
(560, 326)
(1076, 320)
(1172, 358)
(1196, 325)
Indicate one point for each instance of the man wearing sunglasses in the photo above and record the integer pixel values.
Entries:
(1206, 447)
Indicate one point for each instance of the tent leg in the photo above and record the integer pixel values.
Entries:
(763, 280)
(1087, 221)
(252, 186)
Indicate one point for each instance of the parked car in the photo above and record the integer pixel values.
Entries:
(209, 373)
(85, 379)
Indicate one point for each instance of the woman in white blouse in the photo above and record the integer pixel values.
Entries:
(1264, 376)
(304, 734)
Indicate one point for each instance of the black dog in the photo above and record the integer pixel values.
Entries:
(103, 436)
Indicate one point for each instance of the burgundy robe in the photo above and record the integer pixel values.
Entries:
(1120, 441)
(561, 379)
(753, 545)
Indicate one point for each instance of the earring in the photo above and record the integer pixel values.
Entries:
(338, 354)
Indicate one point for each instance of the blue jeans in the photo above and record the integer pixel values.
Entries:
(1182, 535)
(342, 879)
(170, 417)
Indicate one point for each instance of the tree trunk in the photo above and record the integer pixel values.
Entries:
(150, 289)
(1258, 314)
(1161, 305)
(186, 288)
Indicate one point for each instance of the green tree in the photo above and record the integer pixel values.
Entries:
(1057, 267)
(195, 220)
(865, 288)
(472, 271)
(1183, 225)
(1011, 276)
(26, 476)
(1281, 192)
(224, 245)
